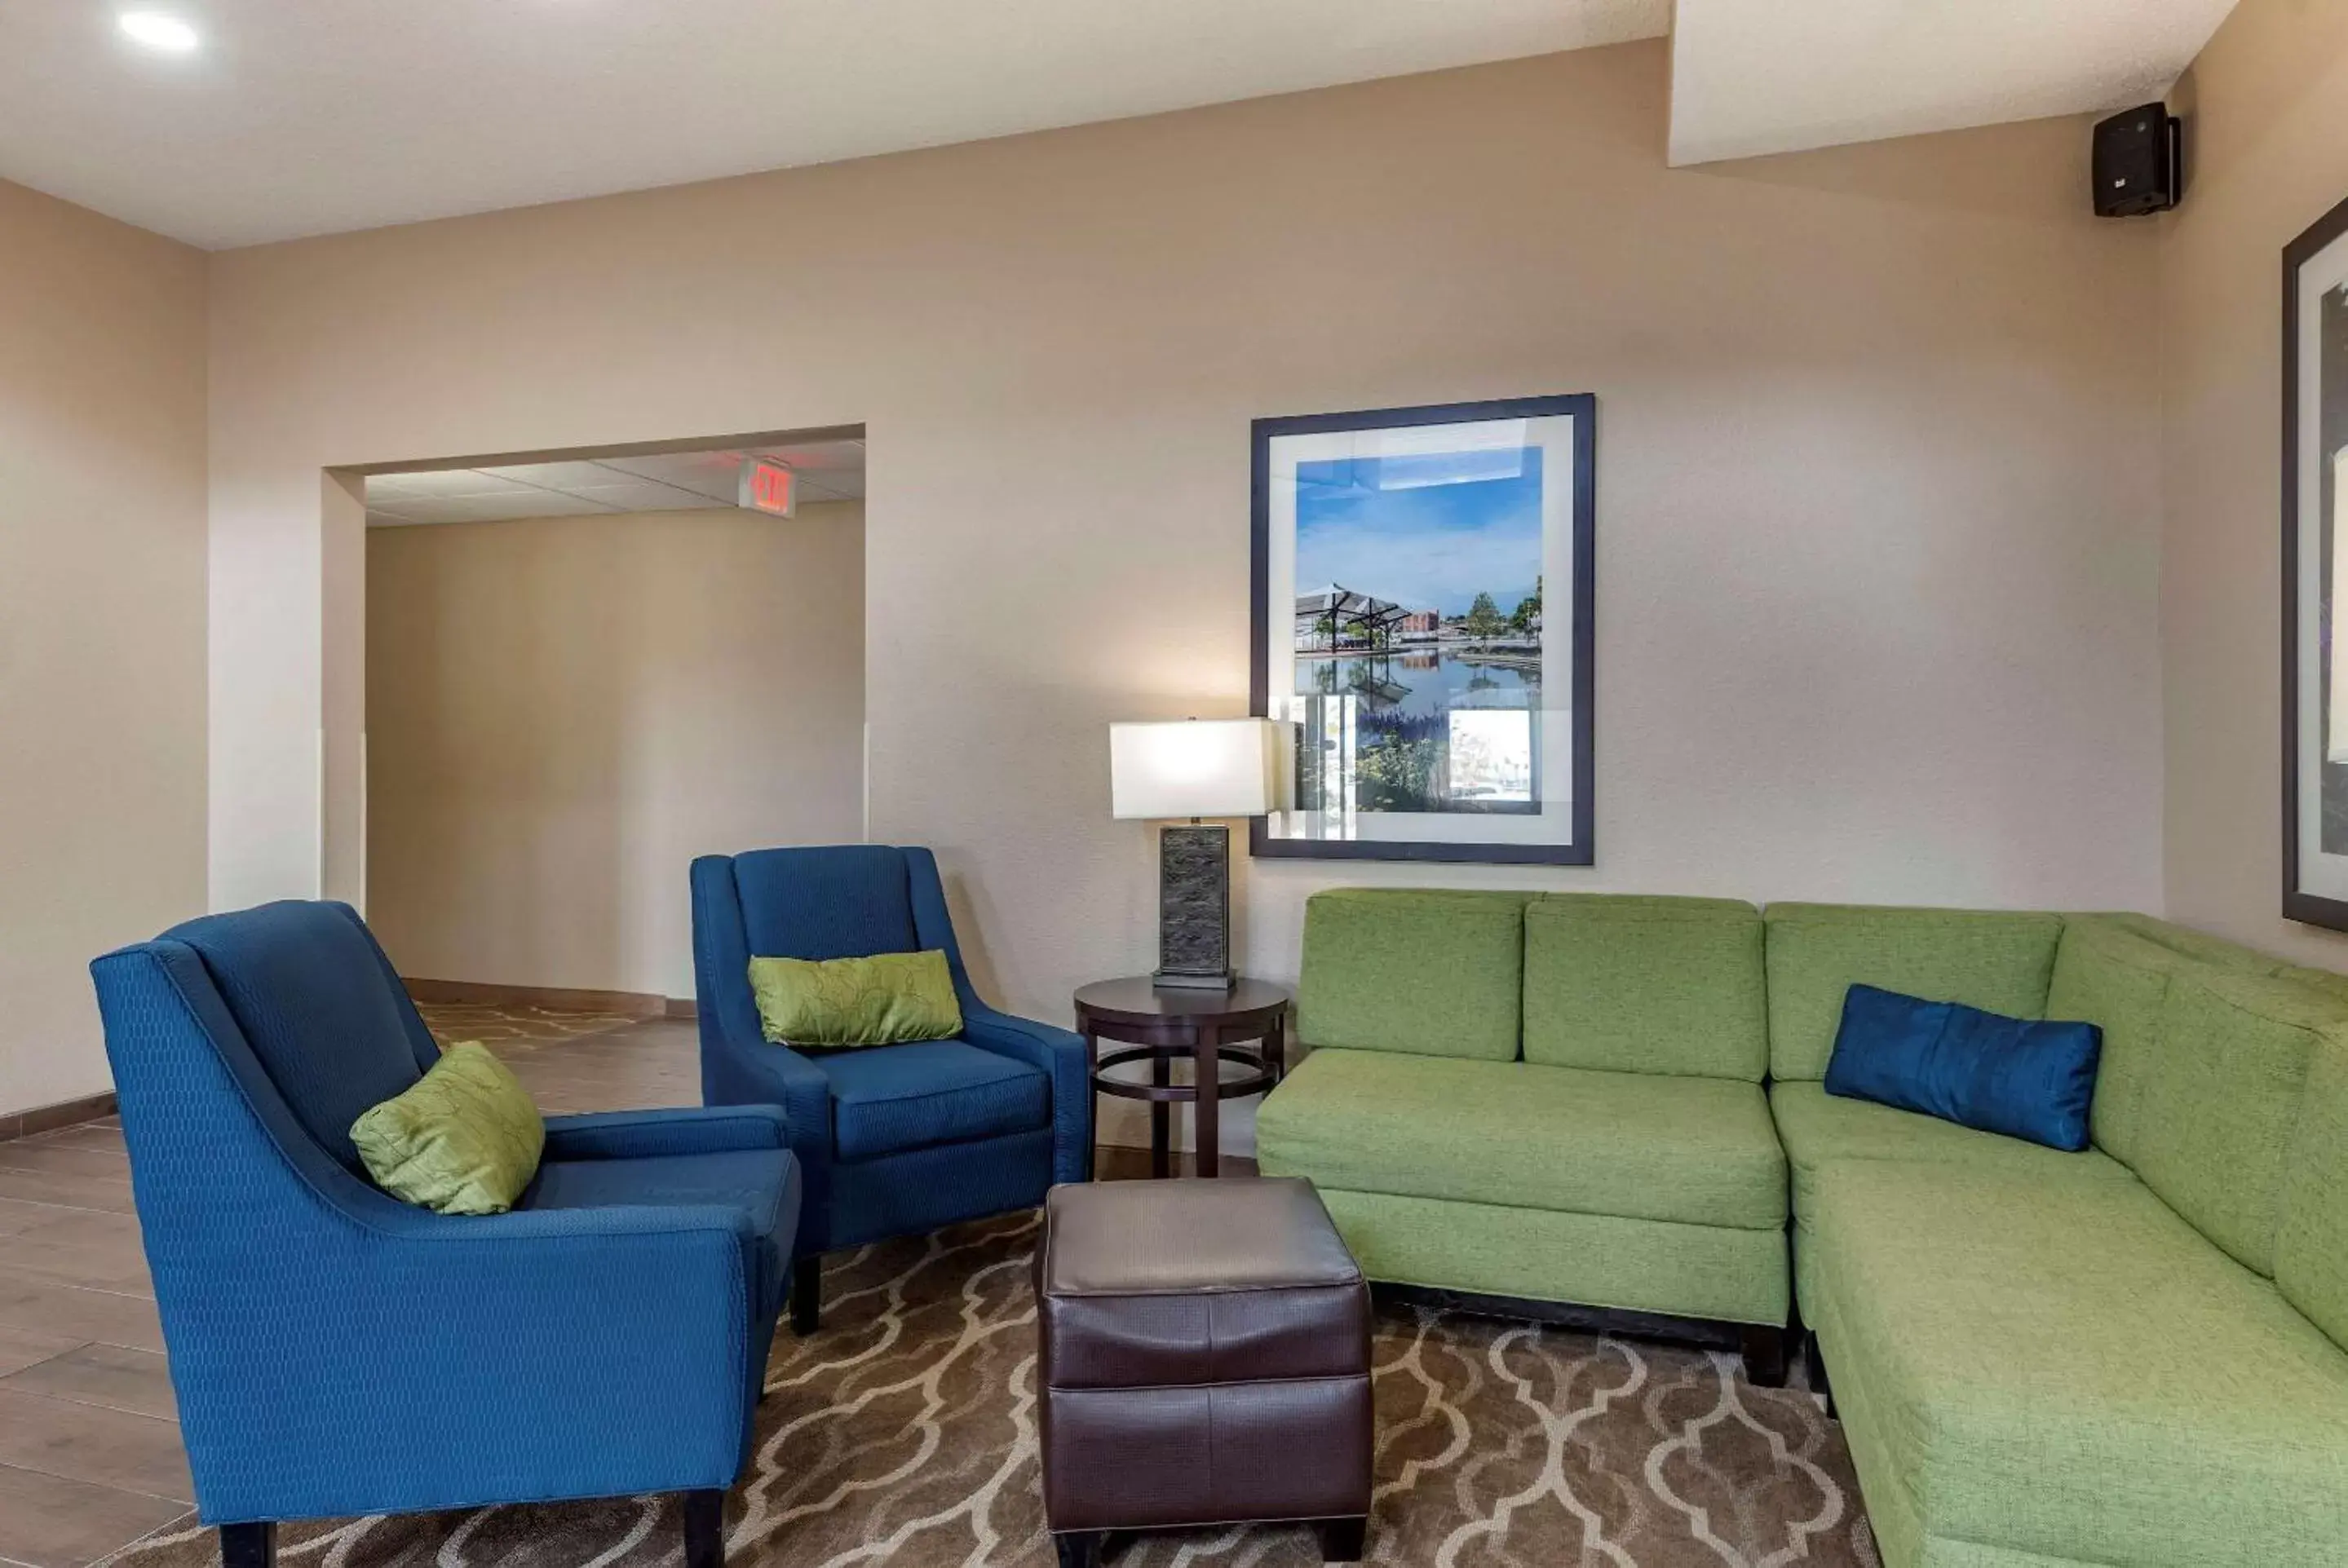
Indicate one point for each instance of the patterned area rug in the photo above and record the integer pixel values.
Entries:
(904, 1433)
(507, 1027)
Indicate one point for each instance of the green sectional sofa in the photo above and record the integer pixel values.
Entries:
(2130, 1355)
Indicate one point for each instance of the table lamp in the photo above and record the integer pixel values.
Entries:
(1193, 768)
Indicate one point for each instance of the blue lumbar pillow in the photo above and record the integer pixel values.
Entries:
(2015, 1076)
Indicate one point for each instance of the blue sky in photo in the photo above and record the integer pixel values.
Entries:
(1429, 531)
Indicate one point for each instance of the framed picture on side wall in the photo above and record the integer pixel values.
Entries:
(1422, 620)
(2315, 574)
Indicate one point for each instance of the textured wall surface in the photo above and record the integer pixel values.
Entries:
(101, 620)
(564, 711)
(1877, 489)
(2266, 108)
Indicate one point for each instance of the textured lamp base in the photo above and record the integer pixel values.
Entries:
(1194, 908)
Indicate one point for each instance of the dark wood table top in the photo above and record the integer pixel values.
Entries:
(1134, 999)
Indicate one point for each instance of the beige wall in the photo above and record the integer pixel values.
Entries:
(101, 620)
(564, 711)
(2267, 111)
(1877, 474)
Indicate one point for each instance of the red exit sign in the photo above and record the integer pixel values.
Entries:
(767, 487)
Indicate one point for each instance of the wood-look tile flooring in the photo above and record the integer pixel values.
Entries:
(90, 1440)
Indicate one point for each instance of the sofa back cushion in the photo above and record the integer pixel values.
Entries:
(2218, 1110)
(2107, 975)
(2189, 943)
(826, 901)
(2311, 1243)
(1996, 960)
(321, 1007)
(2326, 983)
(1434, 972)
(1646, 985)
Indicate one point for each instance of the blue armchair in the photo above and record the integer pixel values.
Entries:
(891, 1140)
(337, 1351)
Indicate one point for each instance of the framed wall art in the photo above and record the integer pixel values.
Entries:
(1422, 624)
(2315, 574)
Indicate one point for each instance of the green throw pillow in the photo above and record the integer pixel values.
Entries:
(464, 1139)
(880, 1000)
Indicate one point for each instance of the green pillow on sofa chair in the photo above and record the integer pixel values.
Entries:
(464, 1139)
(887, 998)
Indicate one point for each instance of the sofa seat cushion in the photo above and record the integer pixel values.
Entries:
(1637, 1145)
(1816, 1127)
(887, 1098)
(2060, 1366)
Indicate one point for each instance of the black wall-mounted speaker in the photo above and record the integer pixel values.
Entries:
(2139, 162)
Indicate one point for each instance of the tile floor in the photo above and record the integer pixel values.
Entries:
(89, 1442)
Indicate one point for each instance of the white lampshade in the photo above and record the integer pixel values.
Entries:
(1192, 767)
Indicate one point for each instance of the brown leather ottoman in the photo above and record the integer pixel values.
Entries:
(1205, 1359)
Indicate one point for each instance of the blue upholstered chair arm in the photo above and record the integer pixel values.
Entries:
(1056, 1052)
(757, 1071)
(634, 1134)
(740, 1068)
(711, 1236)
(1061, 1055)
(1040, 1045)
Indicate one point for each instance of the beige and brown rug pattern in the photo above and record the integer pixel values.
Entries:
(904, 1433)
(515, 1026)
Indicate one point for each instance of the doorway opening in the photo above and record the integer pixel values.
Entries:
(584, 669)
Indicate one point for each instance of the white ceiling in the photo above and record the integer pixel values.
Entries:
(1752, 77)
(665, 482)
(302, 116)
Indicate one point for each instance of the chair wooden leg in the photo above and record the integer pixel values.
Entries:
(1342, 1540)
(248, 1545)
(1765, 1355)
(704, 1529)
(806, 1296)
(1078, 1547)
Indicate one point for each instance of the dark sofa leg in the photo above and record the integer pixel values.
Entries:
(1816, 1359)
(806, 1294)
(704, 1529)
(1342, 1539)
(1078, 1547)
(1765, 1355)
(248, 1545)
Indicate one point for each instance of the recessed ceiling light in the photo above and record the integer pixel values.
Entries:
(158, 30)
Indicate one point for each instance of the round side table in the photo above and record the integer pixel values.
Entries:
(1160, 1023)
